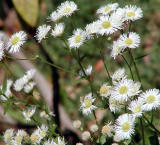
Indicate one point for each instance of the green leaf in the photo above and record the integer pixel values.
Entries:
(140, 57)
(4, 85)
(28, 10)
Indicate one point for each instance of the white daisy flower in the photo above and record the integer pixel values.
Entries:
(93, 128)
(124, 126)
(29, 87)
(117, 48)
(55, 16)
(49, 142)
(151, 99)
(8, 136)
(92, 28)
(131, 40)
(60, 141)
(29, 112)
(76, 124)
(86, 135)
(8, 92)
(58, 30)
(19, 137)
(42, 131)
(107, 129)
(35, 138)
(122, 91)
(30, 74)
(87, 104)
(118, 75)
(114, 105)
(19, 84)
(136, 107)
(16, 41)
(105, 10)
(136, 88)
(133, 13)
(105, 90)
(67, 8)
(108, 25)
(77, 39)
(42, 31)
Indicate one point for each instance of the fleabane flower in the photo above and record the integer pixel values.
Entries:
(16, 41)
(8, 136)
(87, 104)
(114, 105)
(42, 131)
(86, 135)
(42, 31)
(131, 40)
(30, 74)
(29, 112)
(136, 88)
(117, 49)
(1, 50)
(91, 29)
(105, 90)
(19, 84)
(76, 124)
(118, 75)
(108, 25)
(136, 107)
(19, 137)
(124, 126)
(55, 16)
(60, 141)
(105, 10)
(122, 91)
(93, 128)
(67, 8)
(58, 30)
(77, 39)
(133, 13)
(49, 142)
(151, 99)
(29, 87)
(107, 129)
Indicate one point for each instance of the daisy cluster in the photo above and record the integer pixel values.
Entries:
(39, 136)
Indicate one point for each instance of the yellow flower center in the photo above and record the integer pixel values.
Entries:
(106, 24)
(131, 14)
(137, 109)
(107, 9)
(114, 102)
(78, 39)
(118, 48)
(87, 103)
(8, 136)
(123, 90)
(125, 126)
(67, 10)
(18, 139)
(104, 89)
(106, 129)
(34, 138)
(42, 133)
(128, 41)
(15, 40)
(150, 99)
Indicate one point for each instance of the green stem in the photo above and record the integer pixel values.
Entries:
(97, 125)
(141, 122)
(102, 56)
(128, 65)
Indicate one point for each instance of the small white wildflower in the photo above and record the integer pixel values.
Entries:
(124, 126)
(87, 104)
(19, 137)
(58, 30)
(42, 31)
(105, 90)
(92, 28)
(114, 105)
(29, 87)
(29, 112)
(60, 141)
(132, 40)
(87, 71)
(55, 16)
(19, 84)
(76, 124)
(30, 74)
(93, 128)
(16, 41)
(136, 107)
(118, 75)
(107, 129)
(86, 135)
(77, 39)
(42, 131)
(151, 99)
(67, 8)
(8, 136)
(1, 50)
(49, 142)
(105, 10)
(133, 13)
